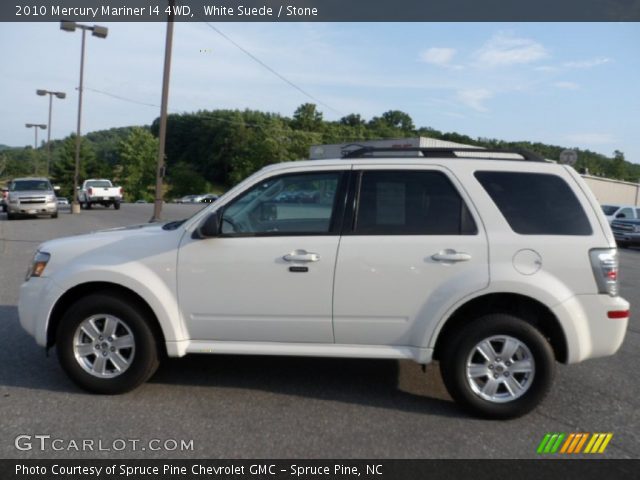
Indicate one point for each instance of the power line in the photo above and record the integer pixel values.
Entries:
(125, 99)
(264, 65)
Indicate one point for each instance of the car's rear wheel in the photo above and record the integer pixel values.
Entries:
(116, 205)
(498, 366)
(106, 344)
(54, 215)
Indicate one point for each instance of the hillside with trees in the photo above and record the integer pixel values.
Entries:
(213, 150)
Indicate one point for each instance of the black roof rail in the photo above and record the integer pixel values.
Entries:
(446, 152)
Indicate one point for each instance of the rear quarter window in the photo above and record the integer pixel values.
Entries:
(536, 203)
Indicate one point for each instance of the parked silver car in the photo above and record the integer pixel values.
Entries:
(31, 196)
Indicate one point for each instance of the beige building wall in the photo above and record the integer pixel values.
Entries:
(611, 191)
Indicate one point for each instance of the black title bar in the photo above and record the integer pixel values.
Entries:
(322, 10)
(583, 469)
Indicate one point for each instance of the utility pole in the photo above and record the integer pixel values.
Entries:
(162, 134)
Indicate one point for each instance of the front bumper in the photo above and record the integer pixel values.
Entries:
(588, 330)
(627, 237)
(38, 295)
(32, 208)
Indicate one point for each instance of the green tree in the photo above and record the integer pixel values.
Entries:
(138, 157)
(185, 180)
(617, 166)
(307, 117)
(63, 164)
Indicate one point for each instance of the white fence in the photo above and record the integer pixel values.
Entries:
(617, 192)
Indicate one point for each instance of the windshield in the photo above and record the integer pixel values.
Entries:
(609, 209)
(99, 184)
(24, 185)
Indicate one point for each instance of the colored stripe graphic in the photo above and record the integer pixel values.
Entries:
(573, 443)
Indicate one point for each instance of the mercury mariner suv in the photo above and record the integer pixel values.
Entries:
(496, 264)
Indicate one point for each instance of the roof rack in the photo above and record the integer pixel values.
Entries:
(447, 152)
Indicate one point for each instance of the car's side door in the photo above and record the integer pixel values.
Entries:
(412, 246)
(268, 276)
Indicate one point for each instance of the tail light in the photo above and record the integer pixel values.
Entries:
(604, 263)
(90, 191)
(121, 191)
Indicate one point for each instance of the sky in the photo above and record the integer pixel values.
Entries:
(568, 84)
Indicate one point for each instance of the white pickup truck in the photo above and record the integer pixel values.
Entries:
(99, 191)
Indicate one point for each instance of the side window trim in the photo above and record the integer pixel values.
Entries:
(337, 213)
(353, 203)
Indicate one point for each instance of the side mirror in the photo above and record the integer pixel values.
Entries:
(209, 228)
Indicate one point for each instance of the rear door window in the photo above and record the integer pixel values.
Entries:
(410, 203)
(536, 203)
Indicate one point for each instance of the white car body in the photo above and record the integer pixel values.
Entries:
(373, 296)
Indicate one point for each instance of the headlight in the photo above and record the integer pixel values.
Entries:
(51, 198)
(636, 228)
(40, 260)
(13, 199)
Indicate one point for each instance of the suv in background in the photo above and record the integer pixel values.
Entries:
(621, 212)
(626, 232)
(498, 268)
(31, 196)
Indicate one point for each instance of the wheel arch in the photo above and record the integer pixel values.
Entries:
(84, 289)
(529, 309)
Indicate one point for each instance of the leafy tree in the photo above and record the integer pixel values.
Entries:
(138, 157)
(63, 164)
(185, 180)
(398, 119)
(352, 120)
(617, 168)
(306, 117)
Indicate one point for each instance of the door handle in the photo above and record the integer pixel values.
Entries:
(449, 255)
(301, 256)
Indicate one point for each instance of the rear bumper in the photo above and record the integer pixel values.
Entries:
(589, 331)
(104, 199)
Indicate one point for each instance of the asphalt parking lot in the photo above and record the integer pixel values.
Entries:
(277, 407)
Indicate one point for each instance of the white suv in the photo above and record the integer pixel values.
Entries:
(497, 268)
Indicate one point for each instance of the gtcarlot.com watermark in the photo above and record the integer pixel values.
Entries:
(49, 443)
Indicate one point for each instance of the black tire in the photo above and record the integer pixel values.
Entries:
(10, 216)
(144, 358)
(622, 244)
(88, 205)
(54, 215)
(116, 205)
(458, 351)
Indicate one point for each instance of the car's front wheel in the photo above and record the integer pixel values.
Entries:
(498, 366)
(106, 345)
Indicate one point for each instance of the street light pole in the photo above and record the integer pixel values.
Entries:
(75, 206)
(35, 127)
(100, 32)
(162, 134)
(60, 95)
